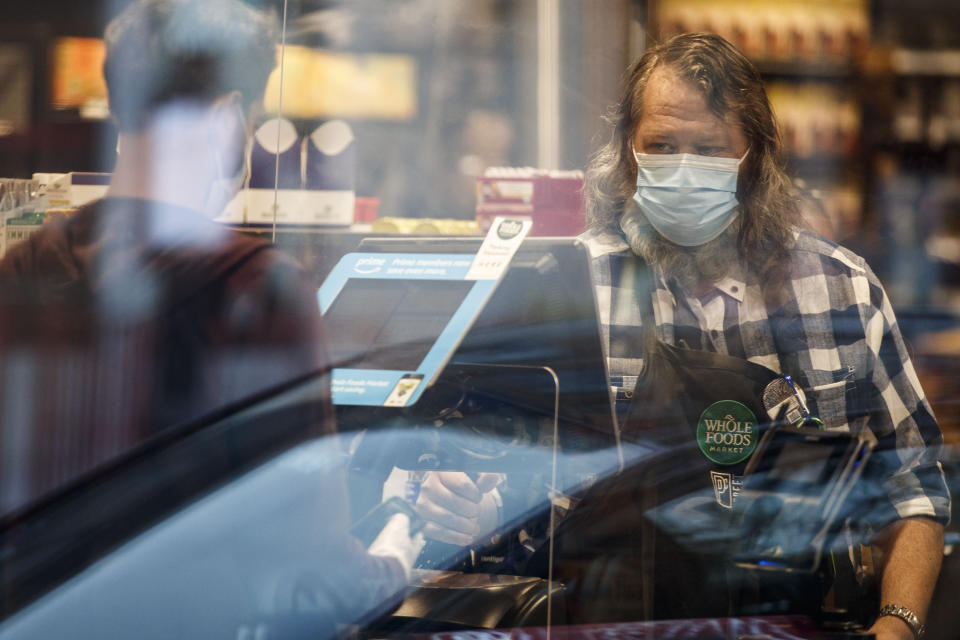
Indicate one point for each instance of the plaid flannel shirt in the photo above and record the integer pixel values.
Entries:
(837, 336)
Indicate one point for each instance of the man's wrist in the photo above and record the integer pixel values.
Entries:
(907, 615)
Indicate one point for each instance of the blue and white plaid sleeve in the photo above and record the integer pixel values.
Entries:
(840, 335)
(909, 439)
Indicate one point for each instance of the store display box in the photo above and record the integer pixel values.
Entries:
(76, 188)
(293, 206)
(554, 199)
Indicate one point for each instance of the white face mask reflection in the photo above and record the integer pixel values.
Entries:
(188, 158)
(688, 199)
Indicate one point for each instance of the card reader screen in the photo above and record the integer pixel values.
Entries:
(803, 467)
(800, 462)
(390, 324)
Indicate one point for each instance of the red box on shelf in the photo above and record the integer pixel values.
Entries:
(554, 199)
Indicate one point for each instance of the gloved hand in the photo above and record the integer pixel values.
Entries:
(456, 508)
(394, 541)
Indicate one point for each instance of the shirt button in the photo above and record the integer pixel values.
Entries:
(734, 288)
(628, 394)
(714, 333)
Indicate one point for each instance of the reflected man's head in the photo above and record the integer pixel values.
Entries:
(162, 52)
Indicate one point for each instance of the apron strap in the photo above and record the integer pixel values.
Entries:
(644, 284)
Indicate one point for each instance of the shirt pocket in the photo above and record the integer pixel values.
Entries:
(830, 397)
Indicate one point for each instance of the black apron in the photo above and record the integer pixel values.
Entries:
(653, 541)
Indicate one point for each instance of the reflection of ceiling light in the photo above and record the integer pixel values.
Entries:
(6, 128)
(471, 165)
(334, 25)
(95, 109)
(332, 137)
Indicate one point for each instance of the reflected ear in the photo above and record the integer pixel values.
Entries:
(228, 132)
(228, 119)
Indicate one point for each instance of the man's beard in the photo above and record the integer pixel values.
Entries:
(689, 267)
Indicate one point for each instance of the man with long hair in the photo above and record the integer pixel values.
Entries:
(692, 184)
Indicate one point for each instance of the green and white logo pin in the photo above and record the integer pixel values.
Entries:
(727, 432)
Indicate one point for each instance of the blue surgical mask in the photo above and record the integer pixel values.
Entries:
(688, 199)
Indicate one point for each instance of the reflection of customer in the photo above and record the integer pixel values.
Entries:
(734, 275)
(167, 314)
(139, 313)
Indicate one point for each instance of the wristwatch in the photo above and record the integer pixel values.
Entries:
(907, 615)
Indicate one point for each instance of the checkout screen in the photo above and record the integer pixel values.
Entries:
(807, 467)
(390, 324)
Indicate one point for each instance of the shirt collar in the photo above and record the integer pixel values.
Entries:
(733, 285)
(601, 243)
(604, 242)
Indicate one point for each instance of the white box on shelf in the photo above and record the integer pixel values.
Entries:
(233, 213)
(76, 188)
(300, 206)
